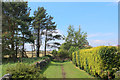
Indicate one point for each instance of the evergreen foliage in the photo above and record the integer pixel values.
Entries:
(97, 60)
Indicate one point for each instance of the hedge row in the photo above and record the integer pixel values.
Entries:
(97, 60)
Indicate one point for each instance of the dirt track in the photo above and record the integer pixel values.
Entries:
(63, 72)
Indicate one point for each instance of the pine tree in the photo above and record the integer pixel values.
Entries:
(38, 23)
(15, 20)
(26, 30)
(50, 34)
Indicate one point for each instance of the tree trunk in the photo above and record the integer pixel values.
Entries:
(16, 49)
(34, 45)
(12, 44)
(45, 42)
(32, 49)
(38, 45)
(13, 55)
(23, 47)
(16, 44)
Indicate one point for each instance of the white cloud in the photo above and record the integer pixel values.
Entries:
(117, 0)
(114, 45)
(95, 43)
(100, 34)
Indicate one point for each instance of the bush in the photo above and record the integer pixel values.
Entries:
(117, 74)
(22, 71)
(54, 52)
(96, 60)
(50, 57)
(63, 54)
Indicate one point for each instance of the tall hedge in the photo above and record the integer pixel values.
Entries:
(96, 60)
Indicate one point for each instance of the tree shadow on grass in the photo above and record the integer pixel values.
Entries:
(56, 64)
(24, 60)
(51, 64)
(44, 69)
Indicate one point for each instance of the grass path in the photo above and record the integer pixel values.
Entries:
(53, 70)
(64, 70)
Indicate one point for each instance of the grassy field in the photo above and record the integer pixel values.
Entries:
(30, 53)
(54, 71)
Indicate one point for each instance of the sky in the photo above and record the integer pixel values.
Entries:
(98, 19)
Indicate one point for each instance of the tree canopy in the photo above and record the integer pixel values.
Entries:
(75, 38)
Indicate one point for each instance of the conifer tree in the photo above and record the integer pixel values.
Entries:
(39, 24)
(15, 19)
(50, 34)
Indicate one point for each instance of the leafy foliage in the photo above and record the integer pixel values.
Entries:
(75, 38)
(63, 54)
(54, 52)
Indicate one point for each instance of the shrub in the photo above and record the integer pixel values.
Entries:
(63, 54)
(117, 74)
(54, 52)
(96, 60)
(49, 56)
(22, 71)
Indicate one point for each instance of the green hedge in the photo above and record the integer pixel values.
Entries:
(97, 60)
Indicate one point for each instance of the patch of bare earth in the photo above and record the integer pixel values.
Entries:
(63, 72)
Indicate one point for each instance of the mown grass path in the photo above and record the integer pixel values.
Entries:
(64, 70)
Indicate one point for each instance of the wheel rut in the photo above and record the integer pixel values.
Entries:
(63, 72)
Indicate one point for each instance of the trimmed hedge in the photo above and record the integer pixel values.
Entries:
(96, 61)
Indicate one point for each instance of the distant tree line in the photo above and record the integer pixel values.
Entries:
(19, 28)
